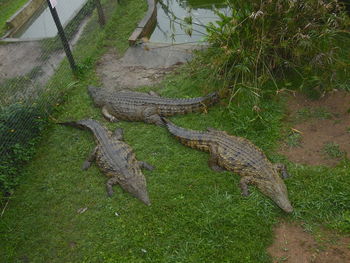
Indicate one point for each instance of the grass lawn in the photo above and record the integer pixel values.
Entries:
(7, 9)
(197, 215)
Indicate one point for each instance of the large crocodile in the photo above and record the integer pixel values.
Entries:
(116, 159)
(147, 107)
(238, 155)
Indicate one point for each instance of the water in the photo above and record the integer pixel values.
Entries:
(201, 12)
(42, 25)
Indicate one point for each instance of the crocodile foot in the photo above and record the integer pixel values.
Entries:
(146, 166)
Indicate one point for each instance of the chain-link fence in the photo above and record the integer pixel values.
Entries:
(33, 64)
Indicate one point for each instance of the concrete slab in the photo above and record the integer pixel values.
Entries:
(154, 55)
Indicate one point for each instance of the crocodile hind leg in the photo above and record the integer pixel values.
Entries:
(153, 93)
(213, 161)
(281, 168)
(146, 166)
(90, 159)
(150, 115)
(118, 134)
(107, 115)
(155, 119)
(213, 164)
(245, 180)
(112, 181)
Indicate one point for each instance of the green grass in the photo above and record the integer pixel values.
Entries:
(332, 150)
(293, 139)
(317, 113)
(7, 9)
(196, 215)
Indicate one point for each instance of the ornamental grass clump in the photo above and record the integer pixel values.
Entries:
(266, 42)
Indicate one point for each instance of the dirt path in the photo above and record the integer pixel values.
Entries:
(293, 245)
(143, 65)
(320, 129)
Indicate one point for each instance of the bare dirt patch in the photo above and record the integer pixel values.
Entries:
(293, 245)
(115, 74)
(320, 132)
(142, 65)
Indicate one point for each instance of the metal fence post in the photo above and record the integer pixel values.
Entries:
(62, 36)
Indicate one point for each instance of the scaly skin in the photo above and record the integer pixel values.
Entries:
(115, 159)
(238, 155)
(138, 106)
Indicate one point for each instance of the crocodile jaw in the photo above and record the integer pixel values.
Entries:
(277, 191)
(136, 185)
(96, 95)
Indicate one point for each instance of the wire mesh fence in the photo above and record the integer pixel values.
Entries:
(32, 69)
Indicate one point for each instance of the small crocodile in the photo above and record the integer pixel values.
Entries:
(116, 159)
(147, 107)
(238, 155)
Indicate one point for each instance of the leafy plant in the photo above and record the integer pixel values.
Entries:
(317, 113)
(332, 150)
(260, 42)
(20, 127)
(294, 139)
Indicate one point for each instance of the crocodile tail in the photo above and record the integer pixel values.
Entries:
(72, 124)
(88, 124)
(170, 126)
(211, 98)
(184, 135)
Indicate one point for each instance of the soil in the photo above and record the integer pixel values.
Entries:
(293, 245)
(318, 122)
(114, 74)
(142, 65)
(18, 59)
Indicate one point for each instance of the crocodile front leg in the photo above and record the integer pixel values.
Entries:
(118, 134)
(245, 180)
(281, 168)
(112, 181)
(150, 115)
(107, 115)
(146, 166)
(90, 159)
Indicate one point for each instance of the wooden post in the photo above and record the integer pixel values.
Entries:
(101, 15)
(62, 36)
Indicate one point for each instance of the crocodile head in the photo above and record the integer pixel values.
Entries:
(136, 185)
(276, 189)
(96, 95)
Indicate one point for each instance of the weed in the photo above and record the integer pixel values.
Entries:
(294, 139)
(332, 150)
(317, 113)
(20, 129)
(14, 89)
(260, 42)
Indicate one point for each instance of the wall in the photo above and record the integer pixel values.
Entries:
(23, 15)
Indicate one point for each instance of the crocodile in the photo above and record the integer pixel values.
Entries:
(116, 159)
(239, 155)
(147, 107)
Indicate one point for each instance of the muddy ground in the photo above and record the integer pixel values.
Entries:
(293, 244)
(320, 129)
(143, 65)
